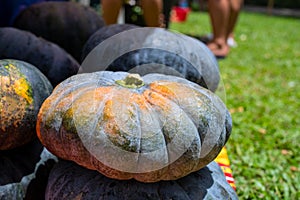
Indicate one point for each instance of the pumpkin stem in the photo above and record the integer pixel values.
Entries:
(131, 81)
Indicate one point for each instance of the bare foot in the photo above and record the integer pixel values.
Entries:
(218, 49)
(212, 45)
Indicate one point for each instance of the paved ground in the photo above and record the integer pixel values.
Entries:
(275, 11)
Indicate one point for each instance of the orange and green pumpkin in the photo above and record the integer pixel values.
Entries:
(23, 89)
(153, 128)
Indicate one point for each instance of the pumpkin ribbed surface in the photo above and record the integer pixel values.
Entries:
(158, 128)
(23, 89)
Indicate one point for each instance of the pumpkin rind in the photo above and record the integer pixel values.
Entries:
(23, 89)
(67, 179)
(163, 130)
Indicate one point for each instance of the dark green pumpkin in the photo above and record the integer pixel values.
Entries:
(54, 62)
(69, 181)
(151, 50)
(158, 128)
(22, 91)
(68, 24)
(24, 171)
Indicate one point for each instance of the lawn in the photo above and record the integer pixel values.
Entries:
(261, 78)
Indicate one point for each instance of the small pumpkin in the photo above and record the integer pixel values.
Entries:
(22, 91)
(151, 50)
(153, 128)
(24, 171)
(54, 62)
(70, 180)
(68, 24)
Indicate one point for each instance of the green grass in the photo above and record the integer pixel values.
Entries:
(261, 78)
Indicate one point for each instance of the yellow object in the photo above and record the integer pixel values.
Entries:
(223, 161)
(22, 88)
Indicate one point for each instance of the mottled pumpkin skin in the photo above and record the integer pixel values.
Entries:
(67, 180)
(162, 129)
(23, 89)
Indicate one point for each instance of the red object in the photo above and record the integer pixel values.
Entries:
(224, 162)
(179, 14)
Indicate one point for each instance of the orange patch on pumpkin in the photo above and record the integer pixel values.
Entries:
(107, 113)
(164, 89)
(111, 127)
(157, 99)
(102, 91)
(140, 100)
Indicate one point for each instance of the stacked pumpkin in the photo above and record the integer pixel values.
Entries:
(150, 50)
(122, 135)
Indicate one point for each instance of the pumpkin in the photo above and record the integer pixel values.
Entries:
(24, 171)
(68, 24)
(23, 89)
(153, 128)
(152, 50)
(54, 62)
(71, 181)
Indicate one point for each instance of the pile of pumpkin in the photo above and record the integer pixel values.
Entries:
(136, 119)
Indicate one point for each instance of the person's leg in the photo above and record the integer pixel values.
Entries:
(219, 11)
(110, 10)
(152, 10)
(167, 7)
(235, 7)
